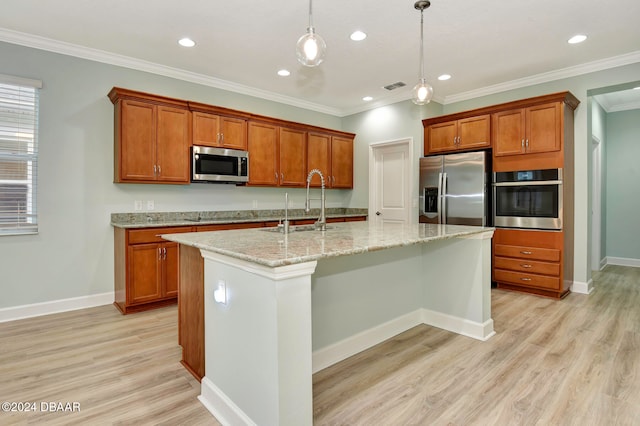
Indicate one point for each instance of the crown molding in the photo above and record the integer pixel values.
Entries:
(589, 67)
(43, 43)
(55, 46)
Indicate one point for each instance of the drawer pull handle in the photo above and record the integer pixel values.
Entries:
(525, 252)
(525, 279)
(526, 265)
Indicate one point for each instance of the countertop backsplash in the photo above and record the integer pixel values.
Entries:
(153, 219)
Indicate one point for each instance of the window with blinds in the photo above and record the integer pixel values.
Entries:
(18, 155)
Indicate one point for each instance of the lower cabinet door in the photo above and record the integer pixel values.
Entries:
(171, 269)
(144, 273)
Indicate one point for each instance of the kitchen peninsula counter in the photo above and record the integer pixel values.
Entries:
(279, 307)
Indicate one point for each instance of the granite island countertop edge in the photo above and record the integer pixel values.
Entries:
(331, 247)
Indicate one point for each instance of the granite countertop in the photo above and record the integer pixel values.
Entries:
(272, 249)
(160, 219)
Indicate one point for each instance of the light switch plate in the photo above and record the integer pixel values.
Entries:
(150, 205)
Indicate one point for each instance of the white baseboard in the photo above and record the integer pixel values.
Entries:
(336, 352)
(221, 406)
(55, 306)
(582, 288)
(603, 263)
(623, 261)
(480, 331)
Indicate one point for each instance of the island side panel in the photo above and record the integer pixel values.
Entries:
(457, 285)
(258, 345)
(191, 310)
(360, 300)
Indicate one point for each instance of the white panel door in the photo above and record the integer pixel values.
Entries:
(391, 186)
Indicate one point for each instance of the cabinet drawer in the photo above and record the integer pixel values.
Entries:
(529, 280)
(551, 255)
(527, 266)
(152, 235)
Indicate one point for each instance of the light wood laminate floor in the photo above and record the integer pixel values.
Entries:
(569, 362)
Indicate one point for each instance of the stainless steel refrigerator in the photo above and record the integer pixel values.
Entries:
(455, 189)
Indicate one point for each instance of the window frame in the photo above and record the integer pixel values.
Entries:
(19, 140)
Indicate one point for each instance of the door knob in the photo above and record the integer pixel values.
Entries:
(378, 213)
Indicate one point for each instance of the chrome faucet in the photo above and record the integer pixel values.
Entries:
(321, 223)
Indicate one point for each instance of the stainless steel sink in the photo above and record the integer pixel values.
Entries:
(297, 228)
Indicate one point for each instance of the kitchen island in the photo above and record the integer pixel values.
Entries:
(279, 307)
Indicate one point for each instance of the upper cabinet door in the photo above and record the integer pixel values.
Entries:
(544, 128)
(293, 157)
(442, 137)
(341, 162)
(263, 154)
(135, 141)
(508, 132)
(172, 145)
(319, 157)
(474, 132)
(206, 129)
(233, 133)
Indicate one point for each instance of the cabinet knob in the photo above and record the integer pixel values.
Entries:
(526, 265)
(525, 252)
(525, 279)
(159, 171)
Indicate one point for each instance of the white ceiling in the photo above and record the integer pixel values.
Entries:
(486, 45)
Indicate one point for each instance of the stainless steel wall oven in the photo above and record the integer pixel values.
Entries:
(529, 199)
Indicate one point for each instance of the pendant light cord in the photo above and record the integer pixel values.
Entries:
(422, 44)
(310, 15)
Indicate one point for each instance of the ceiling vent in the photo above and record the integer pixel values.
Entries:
(395, 85)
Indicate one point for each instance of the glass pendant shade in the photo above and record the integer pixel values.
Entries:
(310, 49)
(422, 92)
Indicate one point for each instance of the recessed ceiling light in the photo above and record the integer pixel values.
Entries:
(444, 77)
(579, 38)
(367, 98)
(357, 36)
(284, 73)
(186, 42)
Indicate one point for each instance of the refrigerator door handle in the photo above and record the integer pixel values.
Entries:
(444, 199)
(439, 202)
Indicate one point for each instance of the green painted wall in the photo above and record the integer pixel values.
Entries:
(623, 177)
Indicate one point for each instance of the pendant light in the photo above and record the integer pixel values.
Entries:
(310, 48)
(422, 92)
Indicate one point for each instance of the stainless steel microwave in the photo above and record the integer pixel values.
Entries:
(528, 199)
(219, 165)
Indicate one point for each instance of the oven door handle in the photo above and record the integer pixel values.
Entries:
(529, 183)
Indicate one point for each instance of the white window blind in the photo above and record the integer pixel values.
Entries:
(18, 155)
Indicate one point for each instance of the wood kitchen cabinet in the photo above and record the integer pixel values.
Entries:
(152, 138)
(146, 268)
(532, 261)
(219, 131)
(458, 135)
(292, 157)
(333, 156)
(263, 154)
(277, 155)
(528, 130)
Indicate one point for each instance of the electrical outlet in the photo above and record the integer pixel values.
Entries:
(254, 204)
(137, 205)
(150, 205)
